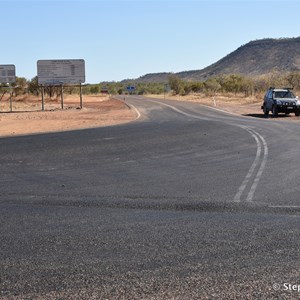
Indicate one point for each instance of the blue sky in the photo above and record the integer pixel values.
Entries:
(128, 39)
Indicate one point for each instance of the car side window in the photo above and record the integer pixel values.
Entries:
(270, 94)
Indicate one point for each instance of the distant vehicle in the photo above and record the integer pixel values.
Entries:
(280, 101)
(104, 90)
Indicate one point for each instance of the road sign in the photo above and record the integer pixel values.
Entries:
(61, 71)
(7, 73)
(130, 88)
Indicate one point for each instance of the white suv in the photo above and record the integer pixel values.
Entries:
(280, 101)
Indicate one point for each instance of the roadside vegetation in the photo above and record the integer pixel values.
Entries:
(235, 84)
(222, 85)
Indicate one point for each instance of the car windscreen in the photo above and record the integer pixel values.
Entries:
(284, 94)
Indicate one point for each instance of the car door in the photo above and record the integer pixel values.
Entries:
(270, 100)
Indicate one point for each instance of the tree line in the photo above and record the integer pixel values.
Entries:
(235, 83)
(22, 86)
(232, 83)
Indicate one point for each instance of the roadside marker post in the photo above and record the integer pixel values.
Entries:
(166, 89)
(214, 100)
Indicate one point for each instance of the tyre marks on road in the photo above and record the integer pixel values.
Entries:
(255, 172)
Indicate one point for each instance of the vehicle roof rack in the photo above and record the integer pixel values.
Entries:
(287, 88)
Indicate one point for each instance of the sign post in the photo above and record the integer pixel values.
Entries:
(130, 88)
(62, 96)
(8, 76)
(43, 101)
(80, 88)
(61, 71)
(10, 100)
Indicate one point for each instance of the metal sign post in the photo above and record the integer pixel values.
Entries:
(62, 96)
(10, 100)
(80, 88)
(43, 106)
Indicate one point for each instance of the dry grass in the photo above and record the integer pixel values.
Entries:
(34, 103)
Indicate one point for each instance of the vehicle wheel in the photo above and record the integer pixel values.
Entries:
(266, 111)
(274, 111)
(297, 113)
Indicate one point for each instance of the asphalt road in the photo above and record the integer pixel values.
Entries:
(187, 202)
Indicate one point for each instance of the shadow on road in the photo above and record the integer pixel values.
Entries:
(262, 116)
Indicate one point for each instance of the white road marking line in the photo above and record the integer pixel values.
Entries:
(263, 160)
(136, 110)
(244, 184)
(180, 111)
(197, 117)
(129, 162)
(285, 206)
(261, 169)
(109, 138)
(258, 138)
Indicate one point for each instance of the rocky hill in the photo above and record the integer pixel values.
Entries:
(255, 58)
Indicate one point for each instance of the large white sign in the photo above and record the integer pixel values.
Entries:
(7, 73)
(61, 71)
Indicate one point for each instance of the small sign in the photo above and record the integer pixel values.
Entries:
(7, 73)
(130, 88)
(61, 71)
